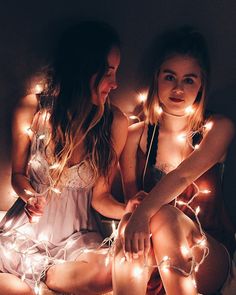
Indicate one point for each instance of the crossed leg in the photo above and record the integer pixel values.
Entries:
(172, 231)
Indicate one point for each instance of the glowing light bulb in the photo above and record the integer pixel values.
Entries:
(137, 271)
(42, 136)
(142, 97)
(205, 191)
(133, 117)
(107, 260)
(202, 242)
(8, 223)
(189, 110)
(55, 190)
(165, 258)
(158, 110)
(36, 289)
(196, 268)
(122, 260)
(185, 251)
(196, 147)
(54, 166)
(165, 269)
(197, 210)
(28, 192)
(181, 137)
(208, 125)
(38, 89)
(35, 219)
(70, 243)
(43, 237)
(27, 130)
(181, 203)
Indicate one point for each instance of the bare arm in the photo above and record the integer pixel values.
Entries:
(128, 160)
(212, 150)
(23, 117)
(102, 200)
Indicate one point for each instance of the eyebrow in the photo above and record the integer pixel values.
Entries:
(187, 75)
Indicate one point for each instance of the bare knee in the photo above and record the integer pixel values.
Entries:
(168, 216)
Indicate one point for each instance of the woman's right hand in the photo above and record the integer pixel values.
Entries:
(135, 201)
(34, 208)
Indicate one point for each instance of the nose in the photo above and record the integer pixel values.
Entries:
(113, 83)
(178, 89)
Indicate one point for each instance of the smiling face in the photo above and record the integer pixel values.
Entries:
(108, 82)
(179, 81)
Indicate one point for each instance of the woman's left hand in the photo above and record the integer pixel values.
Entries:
(136, 240)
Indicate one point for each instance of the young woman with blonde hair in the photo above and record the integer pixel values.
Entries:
(174, 162)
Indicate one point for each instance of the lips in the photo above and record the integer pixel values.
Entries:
(175, 99)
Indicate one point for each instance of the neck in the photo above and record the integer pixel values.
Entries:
(173, 123)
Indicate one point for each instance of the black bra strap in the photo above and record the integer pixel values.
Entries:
(153, 147)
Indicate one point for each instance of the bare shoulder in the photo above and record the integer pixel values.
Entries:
(135, 132)
(119, 117)
(24, 112)
(222, 126)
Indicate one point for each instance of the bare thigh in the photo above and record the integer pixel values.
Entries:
(170, 227)
(12, 285)
(90, 275)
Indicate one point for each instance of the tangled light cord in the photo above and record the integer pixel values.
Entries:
(35, 255)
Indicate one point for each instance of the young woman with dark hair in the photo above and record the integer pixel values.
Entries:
(62, 167)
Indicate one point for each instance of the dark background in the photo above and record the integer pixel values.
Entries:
(29, 30)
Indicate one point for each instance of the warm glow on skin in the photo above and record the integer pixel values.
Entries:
(137, 272)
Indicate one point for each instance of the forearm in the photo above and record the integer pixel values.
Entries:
(163, 193)
(21, 185)
(108, 206)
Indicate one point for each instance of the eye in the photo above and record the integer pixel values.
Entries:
(169, 77)
(188, 80)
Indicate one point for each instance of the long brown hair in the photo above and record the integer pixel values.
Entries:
(185, 41)
(82, 52)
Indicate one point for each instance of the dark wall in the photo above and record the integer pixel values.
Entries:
(29, 29)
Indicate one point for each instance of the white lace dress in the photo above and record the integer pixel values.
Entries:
(66, 228)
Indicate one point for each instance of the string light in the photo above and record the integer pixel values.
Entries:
(38, 88)
(142, 97)
(21, 236)
(208, 126)
(181, 137)
(158, 110)
(189, 110)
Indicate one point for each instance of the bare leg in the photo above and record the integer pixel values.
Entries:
(88, 277)
(171, 230)
(128, 277)
(12, 285)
